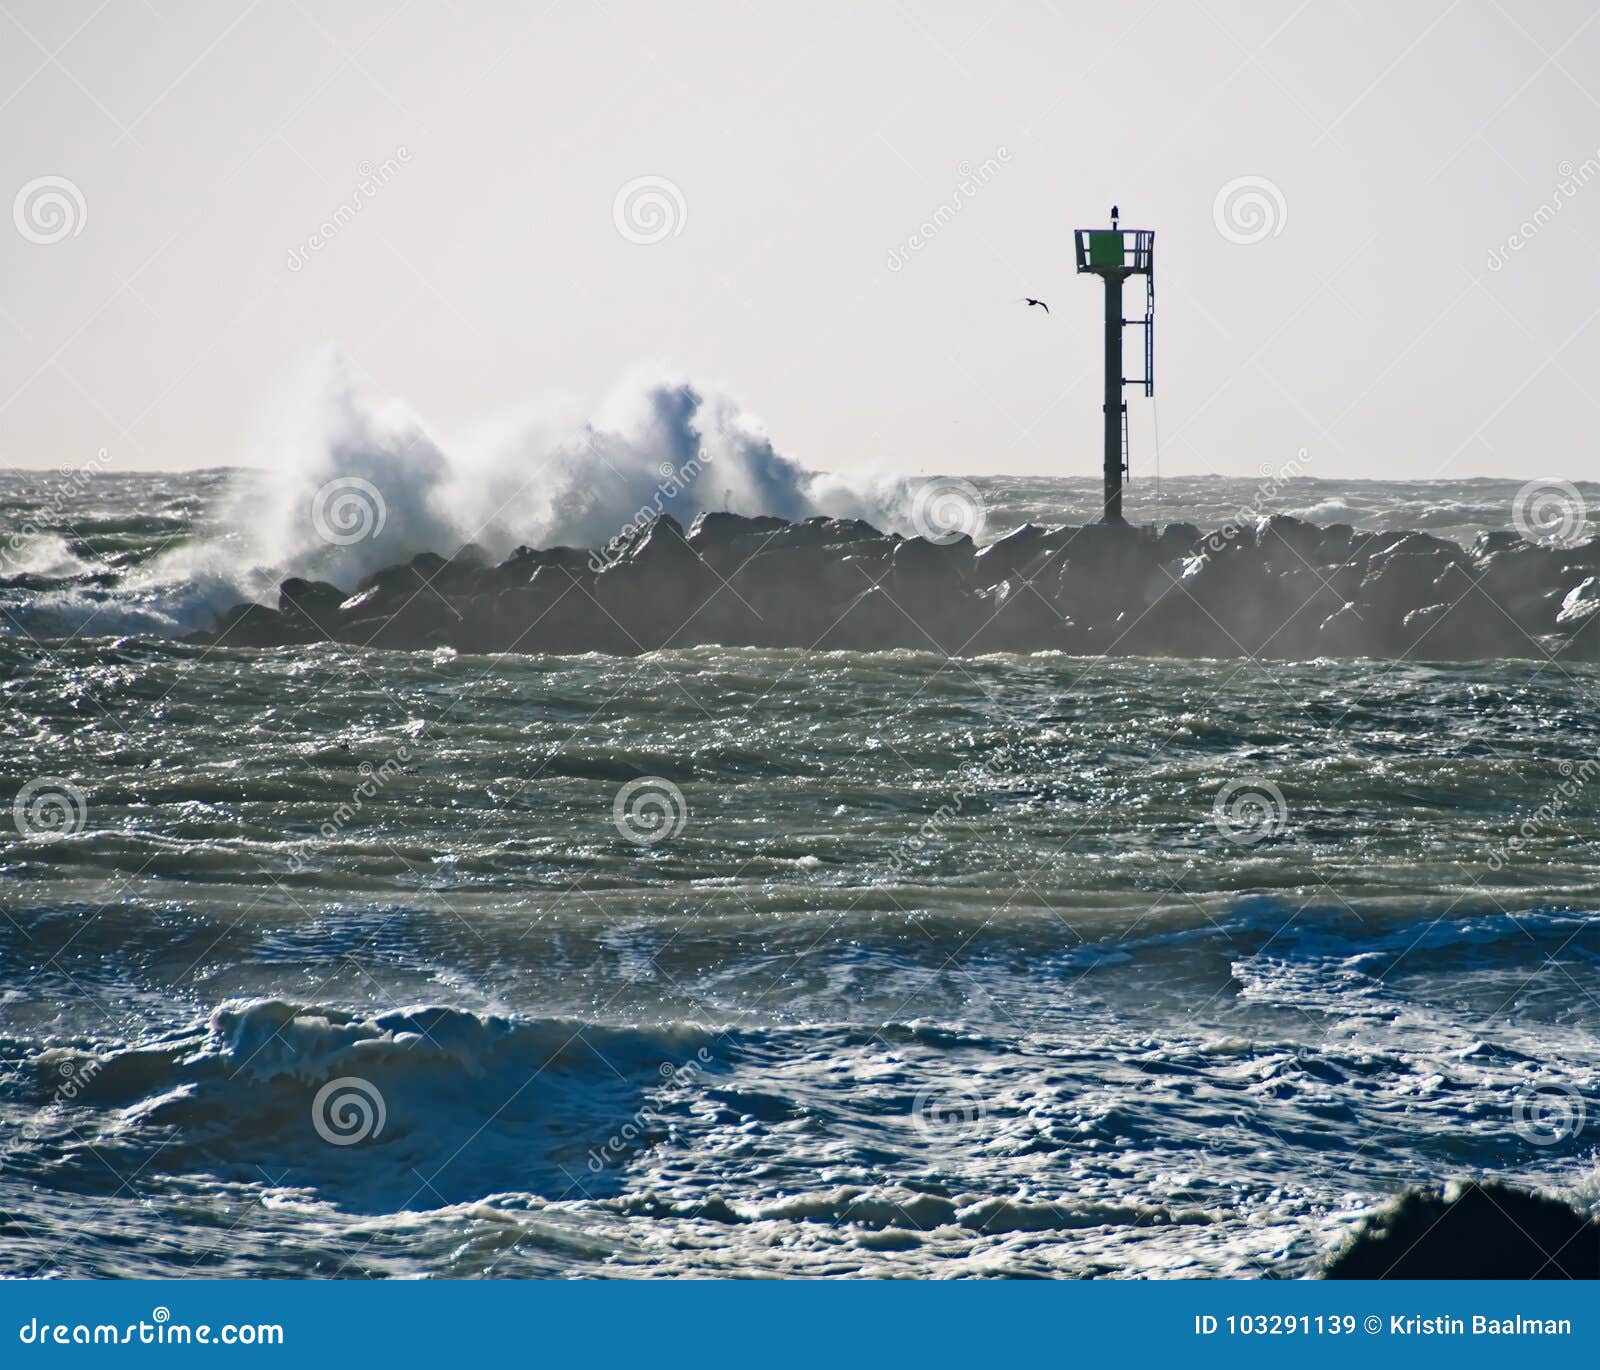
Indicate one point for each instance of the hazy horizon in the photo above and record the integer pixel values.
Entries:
(1342, 201)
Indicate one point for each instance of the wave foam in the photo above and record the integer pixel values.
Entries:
(546, 476)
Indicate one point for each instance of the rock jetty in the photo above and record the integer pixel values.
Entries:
(1283, 589)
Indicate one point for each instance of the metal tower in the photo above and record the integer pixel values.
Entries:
(1115, 254)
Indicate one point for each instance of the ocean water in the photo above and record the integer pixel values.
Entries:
(358, 963)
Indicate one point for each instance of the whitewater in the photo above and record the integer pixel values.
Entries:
(342, 962)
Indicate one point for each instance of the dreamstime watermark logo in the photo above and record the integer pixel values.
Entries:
(1249, 209)
(374, 779)
(674, 481)
(992, 769)
(348, 1110)
(1249, 809)
(1266, 493)
(157, 1330)
(1571, 180)
(1218, 1139)
(48, 809)
(49, 209)
(1550, 511)
(947, 1114)
(627, 1137)
(72, 1077)
(1547, 1114)
(649, 809)
(373, 179)
(649, 210)
(972, 180)
(348, 510)
(56, 508)
(946, 509)
(1575, 775)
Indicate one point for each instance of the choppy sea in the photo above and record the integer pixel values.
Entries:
(318, 961)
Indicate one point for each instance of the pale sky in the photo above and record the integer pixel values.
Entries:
(205, 141)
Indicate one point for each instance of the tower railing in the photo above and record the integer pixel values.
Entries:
(1107, 249)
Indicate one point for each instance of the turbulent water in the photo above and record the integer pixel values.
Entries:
(335, 962)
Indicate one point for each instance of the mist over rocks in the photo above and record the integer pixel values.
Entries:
(1282, 589)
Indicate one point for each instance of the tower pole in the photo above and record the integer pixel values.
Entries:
(1113, 406)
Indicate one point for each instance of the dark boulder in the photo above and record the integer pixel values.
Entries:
(1578, 622)
(1472, 1231)
(658, 594)
(1006, 556)
(1306, 598)
(794, 594)
(387, 590)
(424, 621)
(1580, 606)
(823, 532)
(1287, 543)
(713, 531)
(1360, 630)
(1106, 570)
(1468, 630)
(915, 558)
(1177, 540)
(520, 566)
(874, 622)
(1496, 540)
(255, 625)
(315, 603)
(1014, 617)
(554, 612)
(1335, 547)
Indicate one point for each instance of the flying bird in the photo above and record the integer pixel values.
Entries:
(1029, 300)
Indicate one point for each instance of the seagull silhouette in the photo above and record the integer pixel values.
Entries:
(1030, 301)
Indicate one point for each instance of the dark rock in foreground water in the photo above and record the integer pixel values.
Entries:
(1284, 589)
(1472, 1231)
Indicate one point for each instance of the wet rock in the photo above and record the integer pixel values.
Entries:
(389, 590)
(422, 622)
(1279, 588)
(1402, 580)
(1462, 631)
(554, 612)
(1006, 556)
(1307, 597)
(1336, 544)
(919, 559)
(1105, 571)
(519, 568)
(794, 594)
(655, 594)
(315, 603)
(1495, 540)
(1578, 622)
(1358, 630)
(1178, 540)
(1472, 1231)
(713, 531)
(1286, 543)
(823, 532)
(255, 625)
(1580, 606)
(1014, 617)
(874, 622)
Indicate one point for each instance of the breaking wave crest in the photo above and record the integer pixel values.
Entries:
(345, 481)
(349, 482)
